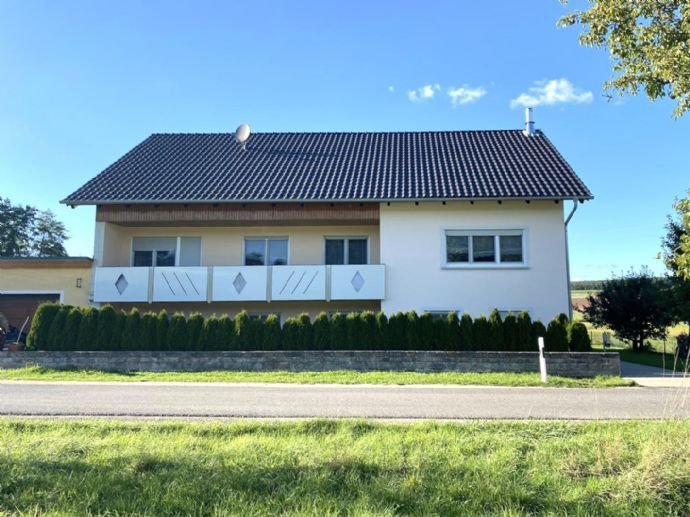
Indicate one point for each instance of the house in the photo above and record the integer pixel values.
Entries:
(25, 282)
(291, 222)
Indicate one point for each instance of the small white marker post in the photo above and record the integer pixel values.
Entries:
(542, 359)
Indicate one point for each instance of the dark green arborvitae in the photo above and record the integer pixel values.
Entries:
(322, 331)
(147, 329)
(107, 326)
(425, 325)
(397, 331)
(305, 333)
(382, 340)
(510, 332)
(88, 329)
(467, 341)
(162, 325)
(71, 331)
(578, 338)
(227, 333)
(413, 337)
(525, 336)
(195, 324)
(482, 334)
(338, 334)
(177, 332)
(355, 331)
(538, 330)
(131, 334)
(57, 328)
(496, 340)
(209, 339)
(242, 331)
(368, 330)
(291, 334)
(40, 326)
(453, 334)
(556, 339)
(272, 333)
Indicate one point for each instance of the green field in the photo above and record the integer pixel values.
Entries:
(37, 373)
(343, 468)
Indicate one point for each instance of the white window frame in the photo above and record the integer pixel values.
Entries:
(496, 233)
(345, 251)
(178, 244)
(265, 239)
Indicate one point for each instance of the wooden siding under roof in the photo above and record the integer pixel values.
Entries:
(240, 214)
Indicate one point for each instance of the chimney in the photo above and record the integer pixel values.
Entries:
(529, 123)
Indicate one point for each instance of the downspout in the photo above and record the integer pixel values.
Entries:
(567, 259)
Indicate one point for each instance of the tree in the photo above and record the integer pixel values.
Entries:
(648, 41)
(636, 306)
(26, 231)
(676, 255)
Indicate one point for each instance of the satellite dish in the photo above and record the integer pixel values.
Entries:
(242, 134)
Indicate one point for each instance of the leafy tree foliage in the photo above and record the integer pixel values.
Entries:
(676, 255)
(26, 231)
(636, 306)
(648, 41)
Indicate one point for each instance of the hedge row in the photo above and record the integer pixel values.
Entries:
(63, 327)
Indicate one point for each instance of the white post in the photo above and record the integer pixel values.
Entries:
(542, 360)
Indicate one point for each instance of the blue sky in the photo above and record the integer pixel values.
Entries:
(82, 82)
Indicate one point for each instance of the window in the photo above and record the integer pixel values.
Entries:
(484, 247)
(262, 252)
(163, 251)
(347, 250)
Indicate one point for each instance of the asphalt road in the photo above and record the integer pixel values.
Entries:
(300, 401)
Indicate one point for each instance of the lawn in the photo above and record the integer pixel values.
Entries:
(37, 373)
(319, 467)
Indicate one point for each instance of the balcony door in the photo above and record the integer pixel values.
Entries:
(346, 250)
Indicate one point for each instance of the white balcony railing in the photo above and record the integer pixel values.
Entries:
(239, 283)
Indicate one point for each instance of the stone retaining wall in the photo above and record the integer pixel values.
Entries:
(558, 363)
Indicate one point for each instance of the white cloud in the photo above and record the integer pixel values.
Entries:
(423, 93)
(465, 95)
(391, 88)
(555, 91)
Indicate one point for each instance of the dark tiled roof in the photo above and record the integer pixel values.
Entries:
(336, 166)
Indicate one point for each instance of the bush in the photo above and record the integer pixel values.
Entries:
(40, 326)
(226, 337)
(338, 333)
(255, 340)
(355, 331)
(147, 329)
(242, 331)
(397, 331)
(56, 333)
(71, 332)
(453, 338)
(413, 337)
(162, 324)
(116, 343)
(496, 324)
(381, 342)
(88, 329)
(578, 338)
(425, 326)
(556, 339)
(525, 338)
(131, 334)
(510, 332)
(482, 333)
(322, 331)
(177, 332)
(369, 326)
(466, 333)
(210, 339)
(538, 330)
(107, 326)
(305, 335)
(291, 334)
(195, 325)
(272, 333)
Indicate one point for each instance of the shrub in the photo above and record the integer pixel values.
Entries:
(177, 332)
(355, 331)
(131, 334)
(397, 331)
(496, 324)
(538, 330)
(147, 329)
(467, 333)
(107, 326)
(322, 331)
(453, 335)
(71, 332)
(116, 343)
(413, 337)
(56, 333)
(525, 336)
(209, 339)
(338, 333)
(242, 331)
(195, 324)
(226, 337)
(88, 328)
(272, 333)
(556, 338)
(368, 330)
(440, 333)
(481, 334)
(305, 335)
(40, 326)
(162, 324)
(255, 339)
(291, 334)
(578, 338)
(510, 332)
(381, 342)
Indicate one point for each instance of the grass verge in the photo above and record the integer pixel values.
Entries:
(325, 467)
(38, 373)
(646, 357)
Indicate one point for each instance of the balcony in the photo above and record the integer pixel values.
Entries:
(239, 283)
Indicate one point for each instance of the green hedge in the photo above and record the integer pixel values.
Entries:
(62, 327)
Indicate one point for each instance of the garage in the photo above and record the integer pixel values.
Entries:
(18, 306)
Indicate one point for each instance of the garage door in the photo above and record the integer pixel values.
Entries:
(16, 307)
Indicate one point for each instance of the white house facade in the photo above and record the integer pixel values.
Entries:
(460, 221)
